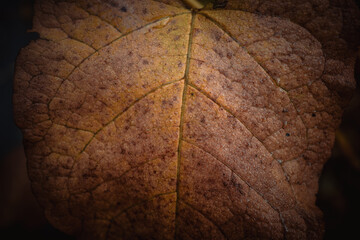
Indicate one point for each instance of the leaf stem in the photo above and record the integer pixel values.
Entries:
(196, 4)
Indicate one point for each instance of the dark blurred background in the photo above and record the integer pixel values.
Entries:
(21, 217)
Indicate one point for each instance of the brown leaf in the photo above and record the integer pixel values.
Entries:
(146, 120)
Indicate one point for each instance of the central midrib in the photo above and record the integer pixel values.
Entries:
(183, 103)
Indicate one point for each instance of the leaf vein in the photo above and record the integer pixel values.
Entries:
(227, 166)
(186, 82)
(274, 82)
(108, 44)
(208, 218)
(132, 206)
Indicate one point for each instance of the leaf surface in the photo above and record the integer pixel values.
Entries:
(146, 120)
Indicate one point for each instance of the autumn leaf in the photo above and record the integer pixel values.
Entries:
(146, 120)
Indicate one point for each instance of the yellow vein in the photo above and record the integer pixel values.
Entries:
(101, 19)
(128, 107)
(119, 177)
(256, 191)
(109, 43)
(128, 33)
(230, 112)
(118, 115)
(220, 26)
(186, 82)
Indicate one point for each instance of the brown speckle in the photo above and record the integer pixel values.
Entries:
(123, 9)
(196, 31)
(216, 35)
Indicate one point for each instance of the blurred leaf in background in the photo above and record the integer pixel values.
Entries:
(339, 193)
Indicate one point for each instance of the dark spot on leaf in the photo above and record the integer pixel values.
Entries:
(225, 183)
(217, 35)
(225, 73)
(199, 62)
(237, 186)
(219, 52)
(166, 103)
(87, 175)
(196, 31)
(209, 77)
(145, 110)
(228, 86)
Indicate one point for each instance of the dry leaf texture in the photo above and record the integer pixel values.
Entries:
(145, 120)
